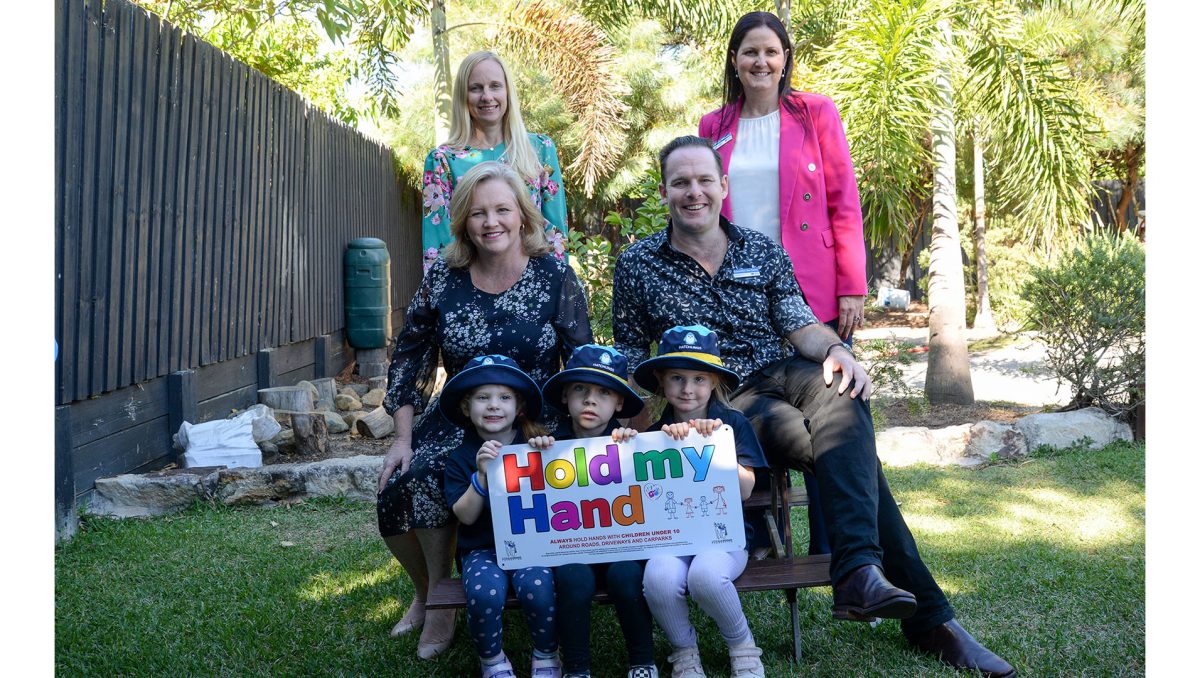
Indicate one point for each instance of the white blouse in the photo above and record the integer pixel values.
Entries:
(754, 175)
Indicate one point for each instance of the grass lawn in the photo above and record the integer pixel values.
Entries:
(1044, 562)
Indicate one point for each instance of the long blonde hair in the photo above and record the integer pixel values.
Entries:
(461, 252)
(518, 150)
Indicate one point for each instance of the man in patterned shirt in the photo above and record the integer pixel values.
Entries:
(704, 270)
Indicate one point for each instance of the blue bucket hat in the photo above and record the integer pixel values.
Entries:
(483, 370)
(690, 347)
(599, 365)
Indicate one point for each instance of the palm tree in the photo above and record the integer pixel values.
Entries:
(903, 72)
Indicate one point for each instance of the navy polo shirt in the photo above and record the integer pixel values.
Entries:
(749, 454)
(457, 482)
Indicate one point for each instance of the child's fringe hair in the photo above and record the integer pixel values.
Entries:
(720, 390)
(528, 427)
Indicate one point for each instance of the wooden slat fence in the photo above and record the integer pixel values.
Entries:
(202, 208)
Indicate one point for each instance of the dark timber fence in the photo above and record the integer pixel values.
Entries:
(202, 211)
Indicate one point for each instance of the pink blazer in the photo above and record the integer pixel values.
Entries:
(819, 213)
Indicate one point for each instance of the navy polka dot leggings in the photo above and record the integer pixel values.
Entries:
(487, 587)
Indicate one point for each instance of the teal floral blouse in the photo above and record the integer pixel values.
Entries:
(445, 163)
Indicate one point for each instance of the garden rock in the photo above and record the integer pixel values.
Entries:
(378, 382)
(907, 445)
(151, 494)
(347, 403)
(989, 438)
(304, 383)
(358, 390)
(354, 477)
(373, 398)
(1064, 429)
(335, 423)
(259, 485)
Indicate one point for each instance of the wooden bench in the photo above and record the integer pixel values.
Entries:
(783, 571)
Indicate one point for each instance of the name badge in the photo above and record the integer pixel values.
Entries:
(740, 273)
(723, 140)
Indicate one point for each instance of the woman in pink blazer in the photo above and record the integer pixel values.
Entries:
(818, 219)
(790, 177)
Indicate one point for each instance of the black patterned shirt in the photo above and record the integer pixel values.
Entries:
(753, 302)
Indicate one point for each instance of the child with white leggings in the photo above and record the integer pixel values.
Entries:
(689, 374)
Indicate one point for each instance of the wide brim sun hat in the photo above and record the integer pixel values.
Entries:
(686, 347)
(598, 365)
(488, 369)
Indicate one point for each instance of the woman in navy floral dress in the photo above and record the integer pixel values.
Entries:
(498, 289)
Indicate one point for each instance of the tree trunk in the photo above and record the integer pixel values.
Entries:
(441, 72)
(948, 379)
(1131, 161)
(783, 9)
(983, 312)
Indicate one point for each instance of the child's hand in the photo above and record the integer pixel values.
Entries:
(706, 427)
(677, 431)
(541, 442)
(487, 452)
(623, 435)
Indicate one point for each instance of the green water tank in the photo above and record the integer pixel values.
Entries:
(368, 289)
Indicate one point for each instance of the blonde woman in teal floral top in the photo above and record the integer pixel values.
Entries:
(486, 124)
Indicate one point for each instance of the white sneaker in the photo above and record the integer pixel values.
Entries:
(642, 672)
(504, 669)
(685, 663)
(744, 662)
(546, 668)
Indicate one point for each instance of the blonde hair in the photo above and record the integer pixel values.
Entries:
(528, 427)
(521, 154)
(720, 390)
(461, 252)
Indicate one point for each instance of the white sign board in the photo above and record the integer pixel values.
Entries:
(596, 501)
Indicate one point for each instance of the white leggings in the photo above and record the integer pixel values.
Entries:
(709, 578)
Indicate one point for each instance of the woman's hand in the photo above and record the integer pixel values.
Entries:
(487, 452)
(850, 314)
(541, 442)
(623, 435)
(399, 455)
(706, 427)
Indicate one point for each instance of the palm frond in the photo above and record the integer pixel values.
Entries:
(582, 61)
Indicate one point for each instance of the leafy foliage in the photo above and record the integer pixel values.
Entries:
(1089, 307)
(595, 257)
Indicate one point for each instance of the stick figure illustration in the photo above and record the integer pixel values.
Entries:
(671, 505)
(688, 509)
(703, 505)
(719, 501)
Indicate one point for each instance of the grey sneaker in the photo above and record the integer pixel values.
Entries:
(547, 668)
(685, 663)
(504, 669)
(744, 662)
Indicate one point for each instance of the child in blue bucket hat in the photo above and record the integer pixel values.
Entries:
(594, 391)
(496, 404)
(689, 374)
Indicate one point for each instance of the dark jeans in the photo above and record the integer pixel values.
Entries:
(575, 584)
(862, 519)
(818, 538)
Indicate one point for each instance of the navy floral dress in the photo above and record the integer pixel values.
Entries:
(537, 322)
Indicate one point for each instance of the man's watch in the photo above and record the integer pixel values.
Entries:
(833, 346)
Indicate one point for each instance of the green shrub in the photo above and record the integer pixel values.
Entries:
(595, 259)
(1089, 306)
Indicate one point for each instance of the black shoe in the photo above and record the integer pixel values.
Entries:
(865, 594)
(951, 643)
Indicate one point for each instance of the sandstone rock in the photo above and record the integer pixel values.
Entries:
(993, 437)
(378, 382)
(373, 398)
(258, 485)
(1064, 429)
(151, 494)
(268, 448)
(345, 402)
(358, 390)
(908, 445)
(335, 423)
(354, 477)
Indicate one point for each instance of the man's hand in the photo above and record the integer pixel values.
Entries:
(840, 360)
(399, 455)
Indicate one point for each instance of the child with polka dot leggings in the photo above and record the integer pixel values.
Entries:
(496, 404)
